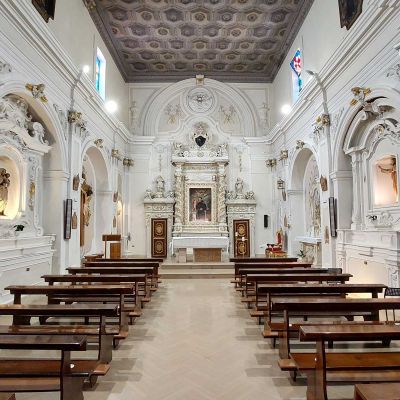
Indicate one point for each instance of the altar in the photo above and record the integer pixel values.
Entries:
(205, 248)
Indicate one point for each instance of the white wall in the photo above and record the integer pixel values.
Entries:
(78, 35)
(318, 39)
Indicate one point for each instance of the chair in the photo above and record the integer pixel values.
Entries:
(276, 249)
(391, 292)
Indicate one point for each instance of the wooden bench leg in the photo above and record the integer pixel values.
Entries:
(71, 388)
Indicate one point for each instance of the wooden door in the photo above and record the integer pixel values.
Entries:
(159, 237)
(241, 232)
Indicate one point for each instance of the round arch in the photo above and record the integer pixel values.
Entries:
(247, 116)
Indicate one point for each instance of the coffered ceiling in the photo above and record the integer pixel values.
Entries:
(170, 40)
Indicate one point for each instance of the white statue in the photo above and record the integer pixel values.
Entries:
(239, 187)
(4, 184)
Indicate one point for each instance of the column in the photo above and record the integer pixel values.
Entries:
(356, 217)
(178, 198)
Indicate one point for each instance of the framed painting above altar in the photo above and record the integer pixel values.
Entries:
(200, 204)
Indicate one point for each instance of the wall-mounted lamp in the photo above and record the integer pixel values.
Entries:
(280, 184)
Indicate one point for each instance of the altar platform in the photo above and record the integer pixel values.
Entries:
(191, 270)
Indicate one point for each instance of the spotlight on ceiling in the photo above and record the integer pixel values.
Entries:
(285, 109)
(111, 106)
(86, 69)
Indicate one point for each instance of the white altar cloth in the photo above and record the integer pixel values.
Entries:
(200, 242)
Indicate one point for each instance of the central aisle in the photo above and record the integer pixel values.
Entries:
(195, 341)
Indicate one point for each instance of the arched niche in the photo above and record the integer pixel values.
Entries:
(222, 93)
(304, 205)
(96, 204)
(12, 189)
(372, 143)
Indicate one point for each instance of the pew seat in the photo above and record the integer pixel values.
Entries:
(7, 396)
(43, 375)
(377, 391)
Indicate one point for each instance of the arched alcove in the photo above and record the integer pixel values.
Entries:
(304, 204)
(96, 207)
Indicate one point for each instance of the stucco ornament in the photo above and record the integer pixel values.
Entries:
(200, 100)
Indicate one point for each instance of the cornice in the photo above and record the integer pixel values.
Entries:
(375, 18)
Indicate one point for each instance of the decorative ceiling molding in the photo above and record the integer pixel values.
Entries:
(243, 41)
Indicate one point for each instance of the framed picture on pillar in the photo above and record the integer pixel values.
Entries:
(46, 8)
(67, 219)
(332, 216)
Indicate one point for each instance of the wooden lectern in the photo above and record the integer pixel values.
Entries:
(115, 246)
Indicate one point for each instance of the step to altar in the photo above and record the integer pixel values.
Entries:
(193, 270)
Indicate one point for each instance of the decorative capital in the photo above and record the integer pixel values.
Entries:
(37, 91)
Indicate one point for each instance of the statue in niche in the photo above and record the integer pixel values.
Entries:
(160, 187)
(239, 187)
(4, 184)
(315, 209)
(391, 169)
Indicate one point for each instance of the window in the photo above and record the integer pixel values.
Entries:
(101, 74)
(297, 82)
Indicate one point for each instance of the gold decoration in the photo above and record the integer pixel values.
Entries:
(37, 91)
(270, 162)
(128, 162)
(32, 191)
(299, 144)
(99, 143)
(284, 155)
(359, 94)
(74, 117)
(115, 154)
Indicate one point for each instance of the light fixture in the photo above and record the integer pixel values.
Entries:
(285, 109)
(111, 106)
(280, 184)
(86, 69)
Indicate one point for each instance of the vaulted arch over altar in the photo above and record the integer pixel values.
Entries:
(201, 168)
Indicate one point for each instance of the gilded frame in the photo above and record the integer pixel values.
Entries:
(190, 187)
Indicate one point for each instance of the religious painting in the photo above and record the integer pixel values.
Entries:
(200, 202)
(349, 11)
(385, 181)
(46, 8)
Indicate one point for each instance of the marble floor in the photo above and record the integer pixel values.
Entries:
(195, 341)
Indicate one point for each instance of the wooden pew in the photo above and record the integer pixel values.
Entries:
(117, 265)
(82, 293)
(368, 366)
(319, 307)
(265, 265)
(272, 291)
(57, 375)
(256, 279)
(241, 272)
(148, 271)
(131, 259)
(22, 314)
(104, 279)
(7, 396)
(262, 259)
(377, 391)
